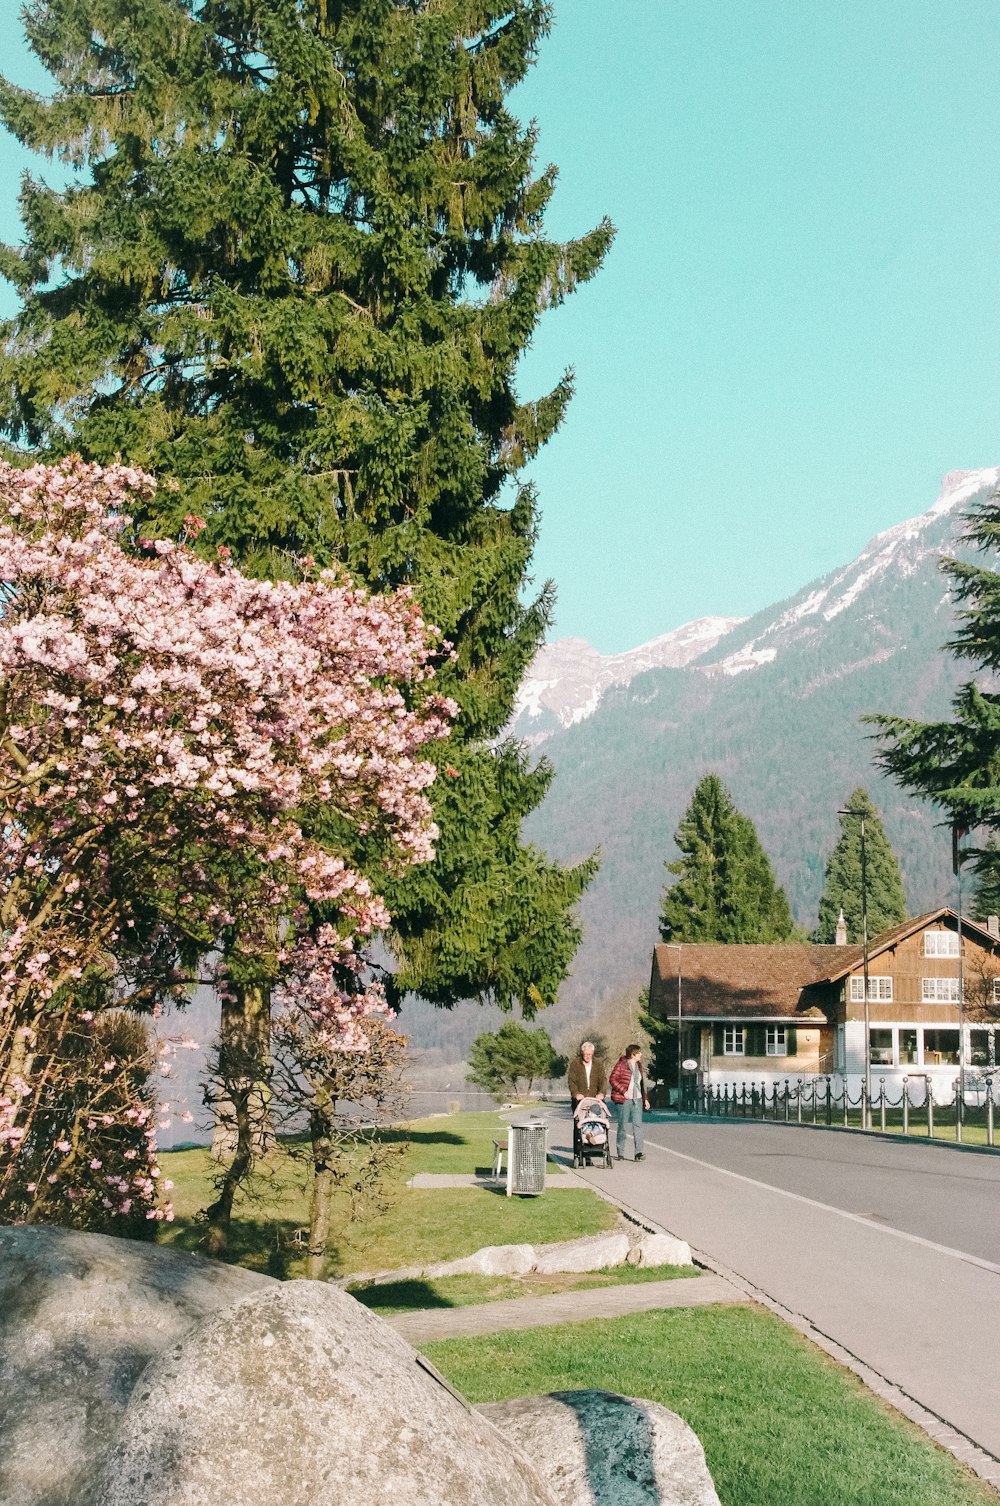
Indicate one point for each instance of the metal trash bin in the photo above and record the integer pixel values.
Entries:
(526, 1157)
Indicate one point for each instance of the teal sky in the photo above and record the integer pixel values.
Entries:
(798, 330)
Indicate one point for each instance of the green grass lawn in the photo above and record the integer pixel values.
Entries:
(781, 1424)
(418, 1225)
(463, 1291)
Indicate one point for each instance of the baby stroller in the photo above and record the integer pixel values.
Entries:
(592, 1133)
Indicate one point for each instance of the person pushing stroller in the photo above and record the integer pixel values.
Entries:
(587, 1076)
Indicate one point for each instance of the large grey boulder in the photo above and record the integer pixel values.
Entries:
(595, 1448)
(300, 1395)
(81, 1315)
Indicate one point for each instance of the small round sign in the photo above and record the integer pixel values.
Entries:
(689, 1064)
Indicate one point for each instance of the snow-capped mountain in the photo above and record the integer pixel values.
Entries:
(775, 707)
(896, 554)
(568, 678)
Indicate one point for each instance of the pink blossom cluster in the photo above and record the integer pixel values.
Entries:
(173, 734)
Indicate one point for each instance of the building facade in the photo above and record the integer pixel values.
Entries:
(767, 1013)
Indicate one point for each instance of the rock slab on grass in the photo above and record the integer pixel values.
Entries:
(591, 1254)
(596, 1448)
(660, 1249)
(81, 1315)
(302, 1396)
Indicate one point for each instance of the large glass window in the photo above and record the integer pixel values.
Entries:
(908, 1048)
(941, 1048)
(777, 1040)
(879, 989)
(880, 1047)
(940, 943)
(733, 1041)
(939, 990)
(982, 1048)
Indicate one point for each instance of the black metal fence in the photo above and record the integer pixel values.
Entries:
(910, 1110)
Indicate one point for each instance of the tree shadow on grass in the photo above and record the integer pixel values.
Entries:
(422, 1137)
(267, 1245)
(411, 1295)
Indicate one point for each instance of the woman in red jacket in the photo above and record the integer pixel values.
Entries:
(629, 1096)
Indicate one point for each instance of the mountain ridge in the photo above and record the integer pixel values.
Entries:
(784, 734)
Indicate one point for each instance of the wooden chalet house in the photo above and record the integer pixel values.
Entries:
(785, 1011)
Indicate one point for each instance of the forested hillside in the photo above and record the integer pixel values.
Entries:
(778, 720)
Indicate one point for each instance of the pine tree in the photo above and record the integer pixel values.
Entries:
(956, 763)
(500, 1062)
(985, 899)
(842, 888)
(725, 889)
(663, 1037)
(299, 260)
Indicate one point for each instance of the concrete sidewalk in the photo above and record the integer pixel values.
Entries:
(916, 1319)
(578, 1306)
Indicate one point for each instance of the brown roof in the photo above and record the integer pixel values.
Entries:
(887, 939)
(745, 980)
(779, 979)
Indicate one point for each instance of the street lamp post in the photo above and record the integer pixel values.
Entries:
(867, 1097)
(957, 858)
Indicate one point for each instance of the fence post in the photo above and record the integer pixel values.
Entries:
(743, 1099)
(881, 1103)
(829, 1103)
(989, 1111)
(929, 1091)
(959, 1105)
(798, 1101)
(786, 1100)
(906, 1105)
(847, 1102)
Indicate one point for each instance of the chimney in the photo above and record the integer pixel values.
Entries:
(842, 929)
(993, 926)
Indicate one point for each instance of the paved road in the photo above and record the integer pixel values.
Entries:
(891, 1250)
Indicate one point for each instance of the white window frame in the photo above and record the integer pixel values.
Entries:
(879, 988)
(888, 1030)
(776, 1040)
(941, 943)
(996, 990)
(734, 1040)
(939, 990)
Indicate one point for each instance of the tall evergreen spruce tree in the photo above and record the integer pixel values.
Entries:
(956, 763)
(299, 260)
(985, 899)
(842, 888)
(725, 889)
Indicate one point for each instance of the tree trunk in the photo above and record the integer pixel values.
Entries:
(220, 1213)
(243, 1129)
(244, 1070)
(321, 1203)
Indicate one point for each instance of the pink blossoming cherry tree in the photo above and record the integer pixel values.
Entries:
(172, 736)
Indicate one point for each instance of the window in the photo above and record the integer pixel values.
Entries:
(880, 1048)
(908, 1048)
(939, 990)
(777, 1040)
(940, 1048)
(733, 1041)
(940, 943)
(983, 1048)
(995, 988)
(879, 989)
